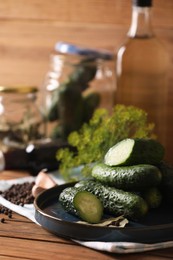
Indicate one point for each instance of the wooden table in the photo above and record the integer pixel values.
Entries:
(22, 239)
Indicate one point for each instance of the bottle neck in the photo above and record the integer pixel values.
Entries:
(141, 23)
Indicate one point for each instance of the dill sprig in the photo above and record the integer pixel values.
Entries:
(104, 130)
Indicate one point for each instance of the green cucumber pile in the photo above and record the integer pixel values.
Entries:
(132, 180)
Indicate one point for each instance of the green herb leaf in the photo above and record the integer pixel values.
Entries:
(103, 131)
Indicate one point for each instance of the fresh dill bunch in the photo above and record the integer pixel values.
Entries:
(104, 130)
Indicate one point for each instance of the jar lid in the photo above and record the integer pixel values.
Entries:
(69, 48)
(18, 89)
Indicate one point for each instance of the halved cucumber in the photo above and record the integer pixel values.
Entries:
(135, 151)
(83, 204)
(88, 206)
(115, 201)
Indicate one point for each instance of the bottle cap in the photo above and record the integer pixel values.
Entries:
(68, 48)
(142, 3)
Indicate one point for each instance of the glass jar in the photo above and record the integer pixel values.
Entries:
(21, 121)
(79, 81)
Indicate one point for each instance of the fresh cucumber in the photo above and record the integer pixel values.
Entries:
(70, 108)
(83, 204)
(88, 206)
(153, 197)
(133, 178)
(134, 151)
(84, 72)
(66, 200)
(53, 113)
(115, 201)
(166, 185)
(91, 102)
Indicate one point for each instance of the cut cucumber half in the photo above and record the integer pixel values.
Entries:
(135, 151)
(119, 153)
(88, 206)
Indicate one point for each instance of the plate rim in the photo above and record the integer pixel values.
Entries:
(132, 228)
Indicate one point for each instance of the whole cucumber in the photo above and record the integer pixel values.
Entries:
(153, 197)
(70, 107)
(134, 178)
(166, 185)
(84, 73)
(91, 102)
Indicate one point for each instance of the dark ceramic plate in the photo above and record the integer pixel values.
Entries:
(157, 226)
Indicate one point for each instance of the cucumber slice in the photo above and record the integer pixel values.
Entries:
(134, 151)
(88, 206)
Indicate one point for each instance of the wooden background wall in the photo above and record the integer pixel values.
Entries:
(30, 28)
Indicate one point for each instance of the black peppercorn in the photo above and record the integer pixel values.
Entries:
(19, 194)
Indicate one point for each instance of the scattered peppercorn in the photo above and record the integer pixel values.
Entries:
(19, 194)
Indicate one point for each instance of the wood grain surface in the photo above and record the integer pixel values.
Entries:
(29, 30)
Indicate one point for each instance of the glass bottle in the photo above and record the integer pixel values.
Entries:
(142, 67)
(79, 81)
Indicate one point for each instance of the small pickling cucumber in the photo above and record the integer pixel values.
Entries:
(70, 108)
(166, 185)
(84, 72)
(134, 178)
(91, 102)
(116, 201)
(66, 200)
(88, 206)
(135, 151)
(83, 204)
(153, 197)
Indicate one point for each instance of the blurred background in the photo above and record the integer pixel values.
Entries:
(30, 29)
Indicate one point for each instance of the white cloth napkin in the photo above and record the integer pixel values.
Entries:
(28, 211)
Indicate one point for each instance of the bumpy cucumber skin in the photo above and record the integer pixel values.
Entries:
(145, 151)
(153, 197)
(115, 201)
(66, 198)
(130, 178)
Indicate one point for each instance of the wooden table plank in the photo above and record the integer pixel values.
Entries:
(20, 227)
(45, 250)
